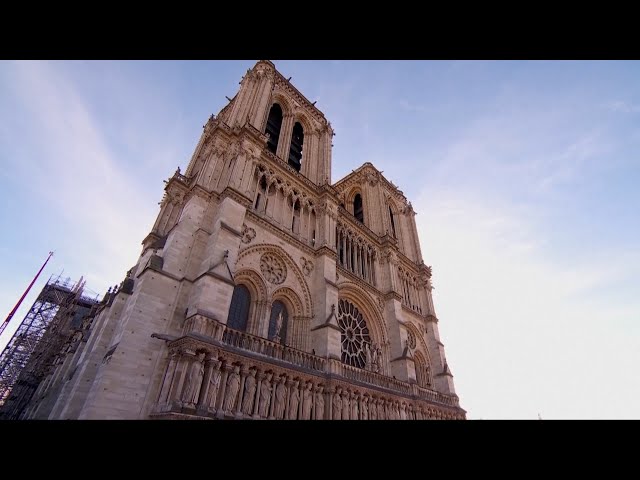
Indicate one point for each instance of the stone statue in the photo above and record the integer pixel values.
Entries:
(214, 384)
(319, 406)
(373, 409)
(194, 380)
(233, 385)
(294, 401)
(249, 393)
(364, 412)
(396, 410)
(381, 410)
(337, 405)
(281, 392)
(354, 408)
(369, 360)
(276, 334)
(403, 411)
(265, 396)
(346, 408)
(307, 400)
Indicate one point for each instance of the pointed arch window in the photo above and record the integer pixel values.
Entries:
(274, 123)
(239, 310)
(278, 322)
(295, 152)
(358, 211)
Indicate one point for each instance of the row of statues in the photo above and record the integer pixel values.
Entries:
(233, 391)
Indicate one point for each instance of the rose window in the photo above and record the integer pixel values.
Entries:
(355, 334)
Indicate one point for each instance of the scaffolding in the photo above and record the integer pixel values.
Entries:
(35, 347)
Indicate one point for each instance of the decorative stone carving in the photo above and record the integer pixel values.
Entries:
(214, 384)
(249, 393)
(281, 392)
(265, 396)
(364, 411)
(354, 408)
(233, 385)
(248, 234)
(337, 404)
(346, 408)
(319, 405)
(411, 340)
(307, 266)
(273, 268)
(371, 178)
(194, 380)
(307, 400)
(294, 400)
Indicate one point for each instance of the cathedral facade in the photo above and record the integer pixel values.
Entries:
(263, 291)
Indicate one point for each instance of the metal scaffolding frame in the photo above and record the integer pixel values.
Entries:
(35, 346)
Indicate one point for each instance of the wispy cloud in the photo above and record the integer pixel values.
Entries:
(622, 106)
(410, 107)
(72, 171)
(520, 331)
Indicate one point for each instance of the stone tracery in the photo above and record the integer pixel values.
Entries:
(355, 334)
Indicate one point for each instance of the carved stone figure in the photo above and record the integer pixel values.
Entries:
(337, 405)
(364, 411)
(214, 384)
(265, 396)
(319, 406)
(307, 400)
(354, 408)
(281, 392)
(294, 400)
(276, 334)
(249, 393)
(403, 411)
(233, 385)
(194, 380)
(346, 408)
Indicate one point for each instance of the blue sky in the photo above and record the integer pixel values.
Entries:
(524, 175)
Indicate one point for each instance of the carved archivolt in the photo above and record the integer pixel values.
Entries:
(375, 321)
(418, 338)
(292, 297)
(273, 269)
(411, 339)
(252, 280)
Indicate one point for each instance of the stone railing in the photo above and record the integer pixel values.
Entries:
(262, 346)
(436, 397)
(372, 378)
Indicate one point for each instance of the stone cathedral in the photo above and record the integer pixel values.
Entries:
(263, 291)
